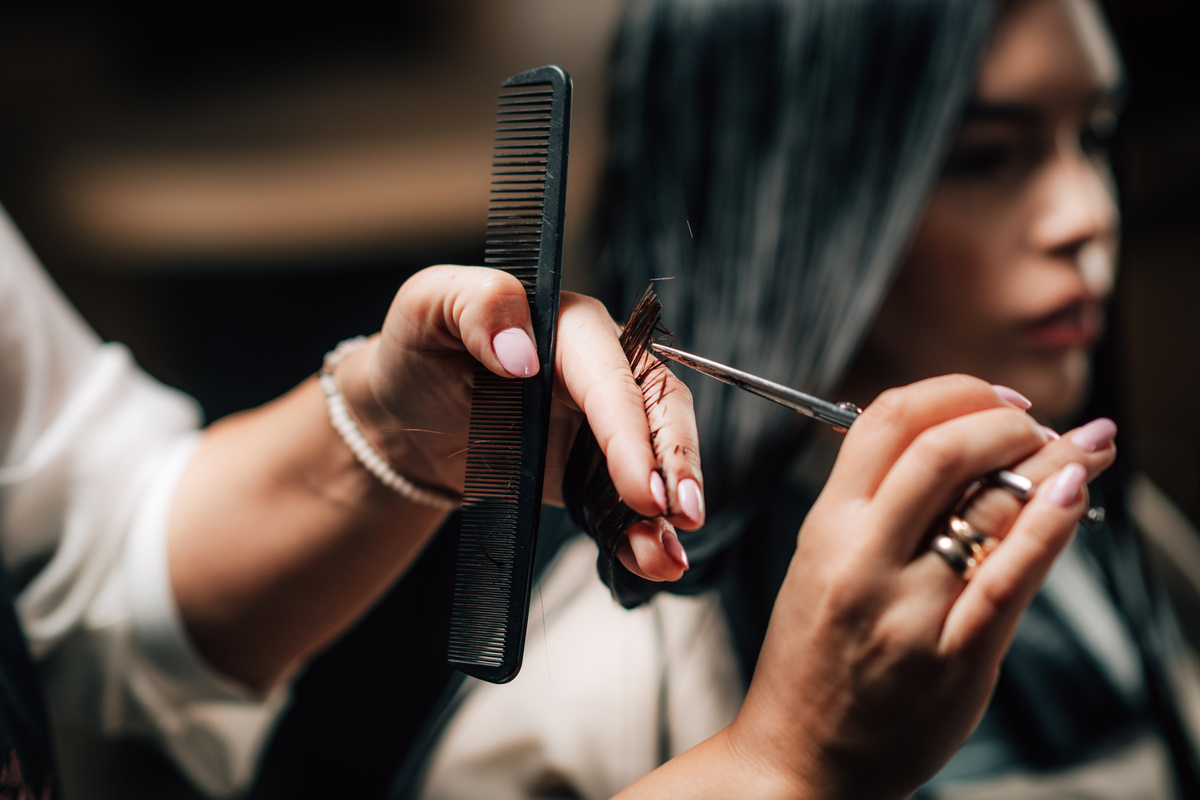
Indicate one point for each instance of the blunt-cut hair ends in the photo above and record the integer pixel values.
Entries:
(773, 158)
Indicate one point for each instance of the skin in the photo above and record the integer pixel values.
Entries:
(856, 661)
(279, 539)
(870, 679)
(1009, 271)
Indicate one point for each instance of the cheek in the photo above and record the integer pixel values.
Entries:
(948, 282)
(946, 311)
(969, 247)
(971, 253)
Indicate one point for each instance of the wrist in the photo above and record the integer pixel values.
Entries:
(789, 759)
(763, 772)
(378, 439)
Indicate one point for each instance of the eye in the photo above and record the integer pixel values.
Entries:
(976, 162)
(1097, 137)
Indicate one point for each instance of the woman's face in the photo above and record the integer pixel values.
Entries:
(1009, 270)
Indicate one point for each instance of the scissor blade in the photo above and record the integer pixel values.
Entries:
(796, 400)
(839, 416)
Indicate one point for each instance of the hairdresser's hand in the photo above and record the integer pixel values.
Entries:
(1089, 445)
(879, 660)
(411, 388)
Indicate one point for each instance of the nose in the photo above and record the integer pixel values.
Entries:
(1077, 214)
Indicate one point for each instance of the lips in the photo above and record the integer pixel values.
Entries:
(1076, 325)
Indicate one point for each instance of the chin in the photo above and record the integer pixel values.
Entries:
(1058, 389)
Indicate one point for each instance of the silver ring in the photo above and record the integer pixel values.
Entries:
(957, 554)
(980, 544)
(1094, 518)
(1017, 485)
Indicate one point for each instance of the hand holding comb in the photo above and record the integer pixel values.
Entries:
(506, 455)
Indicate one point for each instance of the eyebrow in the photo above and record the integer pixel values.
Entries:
(1019, 113)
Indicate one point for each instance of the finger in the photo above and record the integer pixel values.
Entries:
(597, 376)
(994, 510)
(673, 426)
(991, 511)
(985, 617)
(483, 311)
(890, 424)
(651, 550)
(417, 385)
(931, 475)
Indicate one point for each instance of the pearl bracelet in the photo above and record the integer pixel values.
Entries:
(345, 424)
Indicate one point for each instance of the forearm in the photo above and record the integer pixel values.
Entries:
(280, 539)
(716, 769)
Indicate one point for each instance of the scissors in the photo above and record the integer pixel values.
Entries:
(839, 415)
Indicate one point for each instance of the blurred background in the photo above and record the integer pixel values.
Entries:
(232, 188)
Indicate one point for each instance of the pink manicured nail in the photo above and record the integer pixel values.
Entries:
(1096, 435)
(1065, 486)
(516, 352)
(1053, 434)
(675, 549)
(691, 501)
(1013, 396)
(659, 490)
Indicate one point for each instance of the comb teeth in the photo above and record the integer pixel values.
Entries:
(519, 163)
(506, 444)
(487, 545)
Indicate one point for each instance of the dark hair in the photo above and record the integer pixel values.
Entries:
(774, 157)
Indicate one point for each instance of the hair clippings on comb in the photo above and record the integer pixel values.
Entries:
(347, 427)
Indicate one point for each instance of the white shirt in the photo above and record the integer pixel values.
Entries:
(602, 696)
(91, 449)
(600, 685)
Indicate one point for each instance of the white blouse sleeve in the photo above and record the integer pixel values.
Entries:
(91, 449)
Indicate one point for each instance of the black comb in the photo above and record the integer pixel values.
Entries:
(510, 417)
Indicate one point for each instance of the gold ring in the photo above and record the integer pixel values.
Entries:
(955, 552)
(980, 544)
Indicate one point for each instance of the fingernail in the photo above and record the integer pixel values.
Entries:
(690, 500)
(1013, 396)
(1065, 486)
(516, 352)
(674, 549)
(659, 490)
(1053, 434)
(1096, 435)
